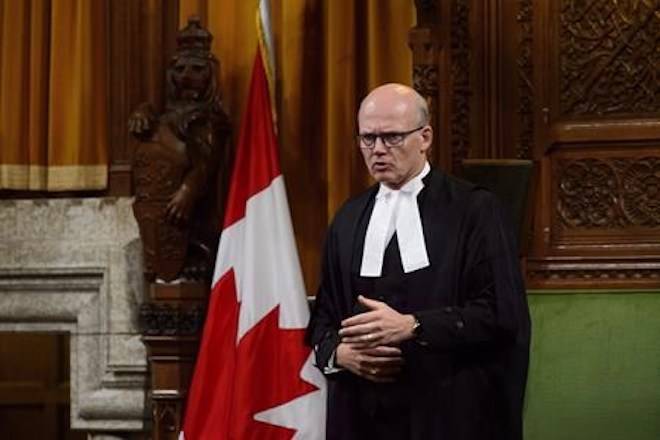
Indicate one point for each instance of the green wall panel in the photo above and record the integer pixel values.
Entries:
(595, 366)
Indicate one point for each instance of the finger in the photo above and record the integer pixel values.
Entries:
(366, 340)
(362, 318)
(383, 351)
(359, 346)
(371, 304)
(358, 330)
(390, 362)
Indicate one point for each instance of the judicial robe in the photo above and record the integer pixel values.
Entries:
(464, 377)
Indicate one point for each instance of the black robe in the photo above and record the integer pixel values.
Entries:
(468, 379)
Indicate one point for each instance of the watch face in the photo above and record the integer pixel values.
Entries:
(417, 327)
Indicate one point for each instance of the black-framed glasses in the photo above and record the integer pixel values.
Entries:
(390, 139)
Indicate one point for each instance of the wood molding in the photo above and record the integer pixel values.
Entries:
(579, 272)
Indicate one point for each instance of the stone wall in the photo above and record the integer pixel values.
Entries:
(74, 265)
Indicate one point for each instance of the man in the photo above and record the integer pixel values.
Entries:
(421, 323)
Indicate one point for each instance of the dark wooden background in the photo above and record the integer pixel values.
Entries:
(573, 85)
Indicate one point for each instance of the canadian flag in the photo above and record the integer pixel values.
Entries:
(254, 377)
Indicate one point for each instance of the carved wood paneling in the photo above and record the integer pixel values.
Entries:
(425, 79)
(609, 192)
(171, 319)
(460, 80)
(572, 84)
(525, 67)
(425, 44)
(609, 57)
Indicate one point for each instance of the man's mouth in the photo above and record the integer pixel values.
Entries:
(380, 166)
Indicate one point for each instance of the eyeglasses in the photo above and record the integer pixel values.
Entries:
(390, 139)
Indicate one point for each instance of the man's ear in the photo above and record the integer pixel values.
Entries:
(427, 138)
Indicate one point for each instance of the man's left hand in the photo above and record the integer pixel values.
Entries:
(381, 325)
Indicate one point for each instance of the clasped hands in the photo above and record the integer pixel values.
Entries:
(370, 341)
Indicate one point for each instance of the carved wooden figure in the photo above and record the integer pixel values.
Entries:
(178, 191)
(179, 170)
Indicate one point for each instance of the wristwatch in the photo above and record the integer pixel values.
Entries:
(417, 327)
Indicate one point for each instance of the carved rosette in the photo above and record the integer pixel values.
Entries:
(608, 57)
(640, 190)
(609, 193)
(460, 75)
(525, 80)
(587, 194)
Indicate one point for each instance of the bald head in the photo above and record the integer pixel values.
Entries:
(394, 133)
(398, 97)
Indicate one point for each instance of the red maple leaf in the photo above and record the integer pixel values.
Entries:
(268, 364)
(233, 383)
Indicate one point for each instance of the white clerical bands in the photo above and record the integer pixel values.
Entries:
(396, 210)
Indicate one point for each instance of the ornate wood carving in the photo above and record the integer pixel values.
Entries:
(573, 85)
(178, 170)
(460, 77)
(425, 78)
(168, 319)
(608, 57)
(177, 193)
(168, 420)
(609, 192)
(425, 45)
(525, 66)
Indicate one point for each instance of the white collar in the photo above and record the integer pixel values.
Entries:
(413, 185)
(396, 210)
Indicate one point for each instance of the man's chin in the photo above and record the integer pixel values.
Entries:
(385, 177)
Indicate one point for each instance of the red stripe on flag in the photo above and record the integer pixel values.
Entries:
(257, 163)
(208, 412)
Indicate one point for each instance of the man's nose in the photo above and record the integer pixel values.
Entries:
(379, 146)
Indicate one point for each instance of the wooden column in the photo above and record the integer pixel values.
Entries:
(172, 321)
(425, 43)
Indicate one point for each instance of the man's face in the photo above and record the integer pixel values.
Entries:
(393, 166)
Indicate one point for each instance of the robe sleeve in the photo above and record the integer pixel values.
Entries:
(491, 306)
(323, 330)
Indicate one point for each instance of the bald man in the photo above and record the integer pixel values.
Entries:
(421, 323)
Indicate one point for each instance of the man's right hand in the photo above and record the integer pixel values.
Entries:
(377, 364)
